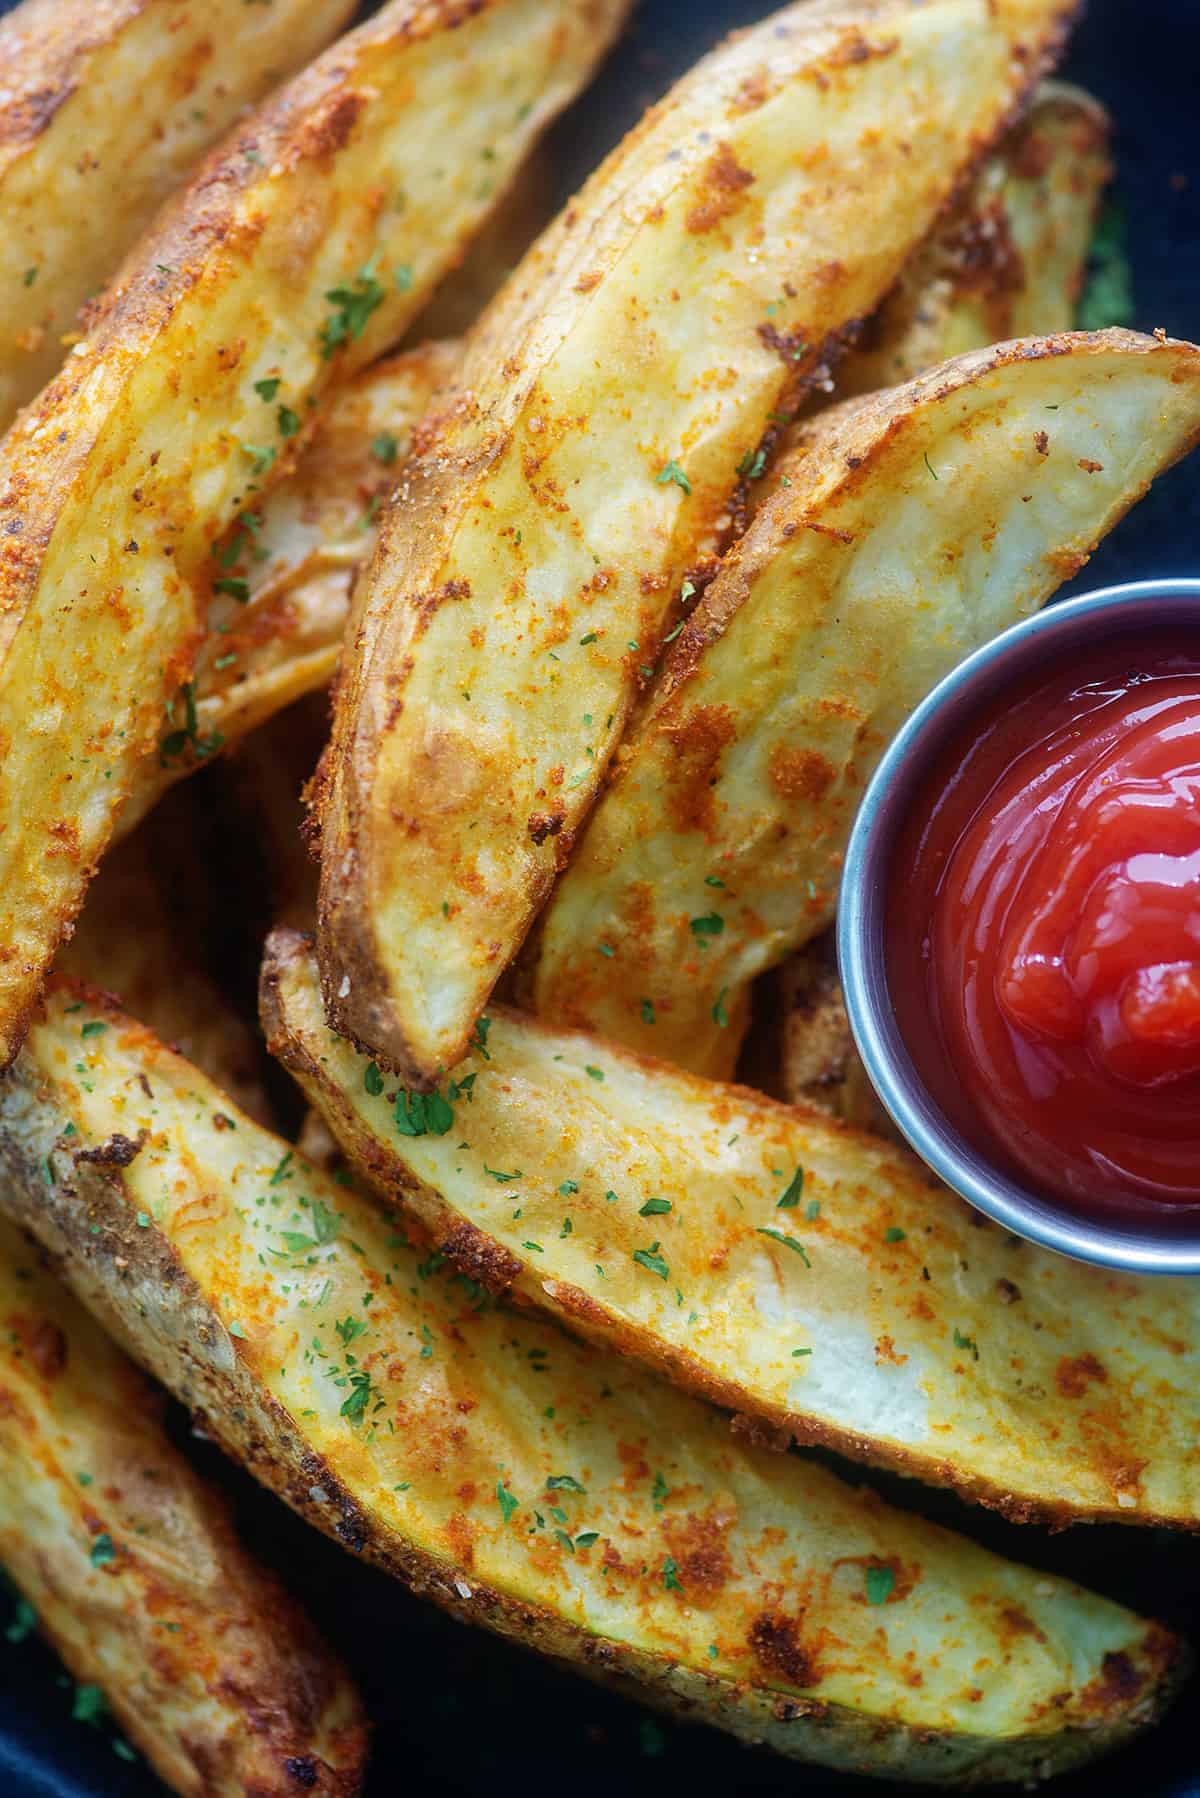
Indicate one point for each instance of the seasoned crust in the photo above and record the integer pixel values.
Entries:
(106, 109)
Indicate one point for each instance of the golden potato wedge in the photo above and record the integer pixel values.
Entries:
(130, 941)
(274, 630)
(795, 1270)
(521, 584)
(136, 1575)
(304, 246)
(904, 531)
(106, 105)
(549, 1492)
(1009, 261)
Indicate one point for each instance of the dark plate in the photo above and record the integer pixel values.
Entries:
(456, 1711)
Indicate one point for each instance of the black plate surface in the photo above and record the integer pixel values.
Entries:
(458, 1712)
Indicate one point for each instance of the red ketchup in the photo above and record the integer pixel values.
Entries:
(1044, 935)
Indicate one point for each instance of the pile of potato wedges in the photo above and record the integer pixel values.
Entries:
(580, 572)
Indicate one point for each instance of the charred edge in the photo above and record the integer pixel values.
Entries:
(118, 1151)
(480, 1257)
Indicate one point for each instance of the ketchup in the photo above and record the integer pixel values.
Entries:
(1044, 930)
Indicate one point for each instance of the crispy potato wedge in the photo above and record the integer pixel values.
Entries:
(295, 564)
(513, 1476)
(523, 581)
(904, 531)
(797, 1271)
(304, 246)
(105, 107)
(1011, 258)
(132, 1565)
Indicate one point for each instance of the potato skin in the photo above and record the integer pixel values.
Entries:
(709, 1233)
(899, 532)
(287, 264)
(107, 105)
(257, 1332)
(521, 589)
(208, 1665)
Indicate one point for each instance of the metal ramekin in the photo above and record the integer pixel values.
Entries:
(1011, 658)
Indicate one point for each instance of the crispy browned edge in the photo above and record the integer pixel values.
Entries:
(276, 1716)
(482, 1258)
(51, 41)
(371, 1025)
(87, 1227)
(159, 271)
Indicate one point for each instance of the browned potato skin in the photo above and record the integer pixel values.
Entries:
(484, 569)
(239, 1694)
(116, 481)
(208, 1665)
(106, 104)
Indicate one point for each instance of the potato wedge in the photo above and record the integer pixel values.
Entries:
(136, 1575)
(1009, 261)
(296, 564)
(904, 531)
(767, 1258)
(305, 245)
(549, 1492)
(106, 106)
(523, 581)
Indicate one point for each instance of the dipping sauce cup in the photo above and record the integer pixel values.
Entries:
(1019, 928)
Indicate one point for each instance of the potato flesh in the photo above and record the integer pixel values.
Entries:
(194, 1646)
(713, 1233)
(271, 1267)
(362, 179)
(972, 495)
(523, 582)
(106, 106)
